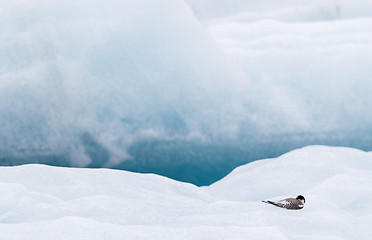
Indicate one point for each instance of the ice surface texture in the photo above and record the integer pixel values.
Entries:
(164, 86)
(40, 202)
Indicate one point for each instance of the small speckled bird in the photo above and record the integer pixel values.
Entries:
(289, 203)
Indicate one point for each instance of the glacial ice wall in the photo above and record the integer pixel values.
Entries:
(187, 89)
(107, 74)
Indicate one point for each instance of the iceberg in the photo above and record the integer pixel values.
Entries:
(82, 83)
(186, 89)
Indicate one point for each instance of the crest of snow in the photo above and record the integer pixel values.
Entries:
(40, 202)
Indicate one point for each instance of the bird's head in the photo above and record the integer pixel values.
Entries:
(301, 198)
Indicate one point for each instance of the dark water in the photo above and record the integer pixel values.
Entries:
(198, 163)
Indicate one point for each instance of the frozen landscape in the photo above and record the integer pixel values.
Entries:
(42, 202)
(177, 87)
(211, 106)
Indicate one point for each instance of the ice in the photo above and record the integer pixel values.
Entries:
(187, 89)
(286, 10)
(312, 74)
(43, 202)
(190, 90)
(81, 82)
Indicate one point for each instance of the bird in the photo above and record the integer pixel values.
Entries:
(289, 203)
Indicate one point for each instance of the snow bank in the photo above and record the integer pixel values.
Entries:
(40, 202)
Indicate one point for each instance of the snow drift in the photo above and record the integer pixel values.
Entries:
(40, 202)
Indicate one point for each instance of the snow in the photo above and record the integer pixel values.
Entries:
(43, 202)
(189, 89)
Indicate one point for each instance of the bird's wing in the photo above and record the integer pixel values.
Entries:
(292, 203)
(289, 203)
(278, 203)
(282, 203)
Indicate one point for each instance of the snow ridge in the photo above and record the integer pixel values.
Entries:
(43, 202)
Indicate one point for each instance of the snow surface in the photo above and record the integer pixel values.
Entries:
(43, 202)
